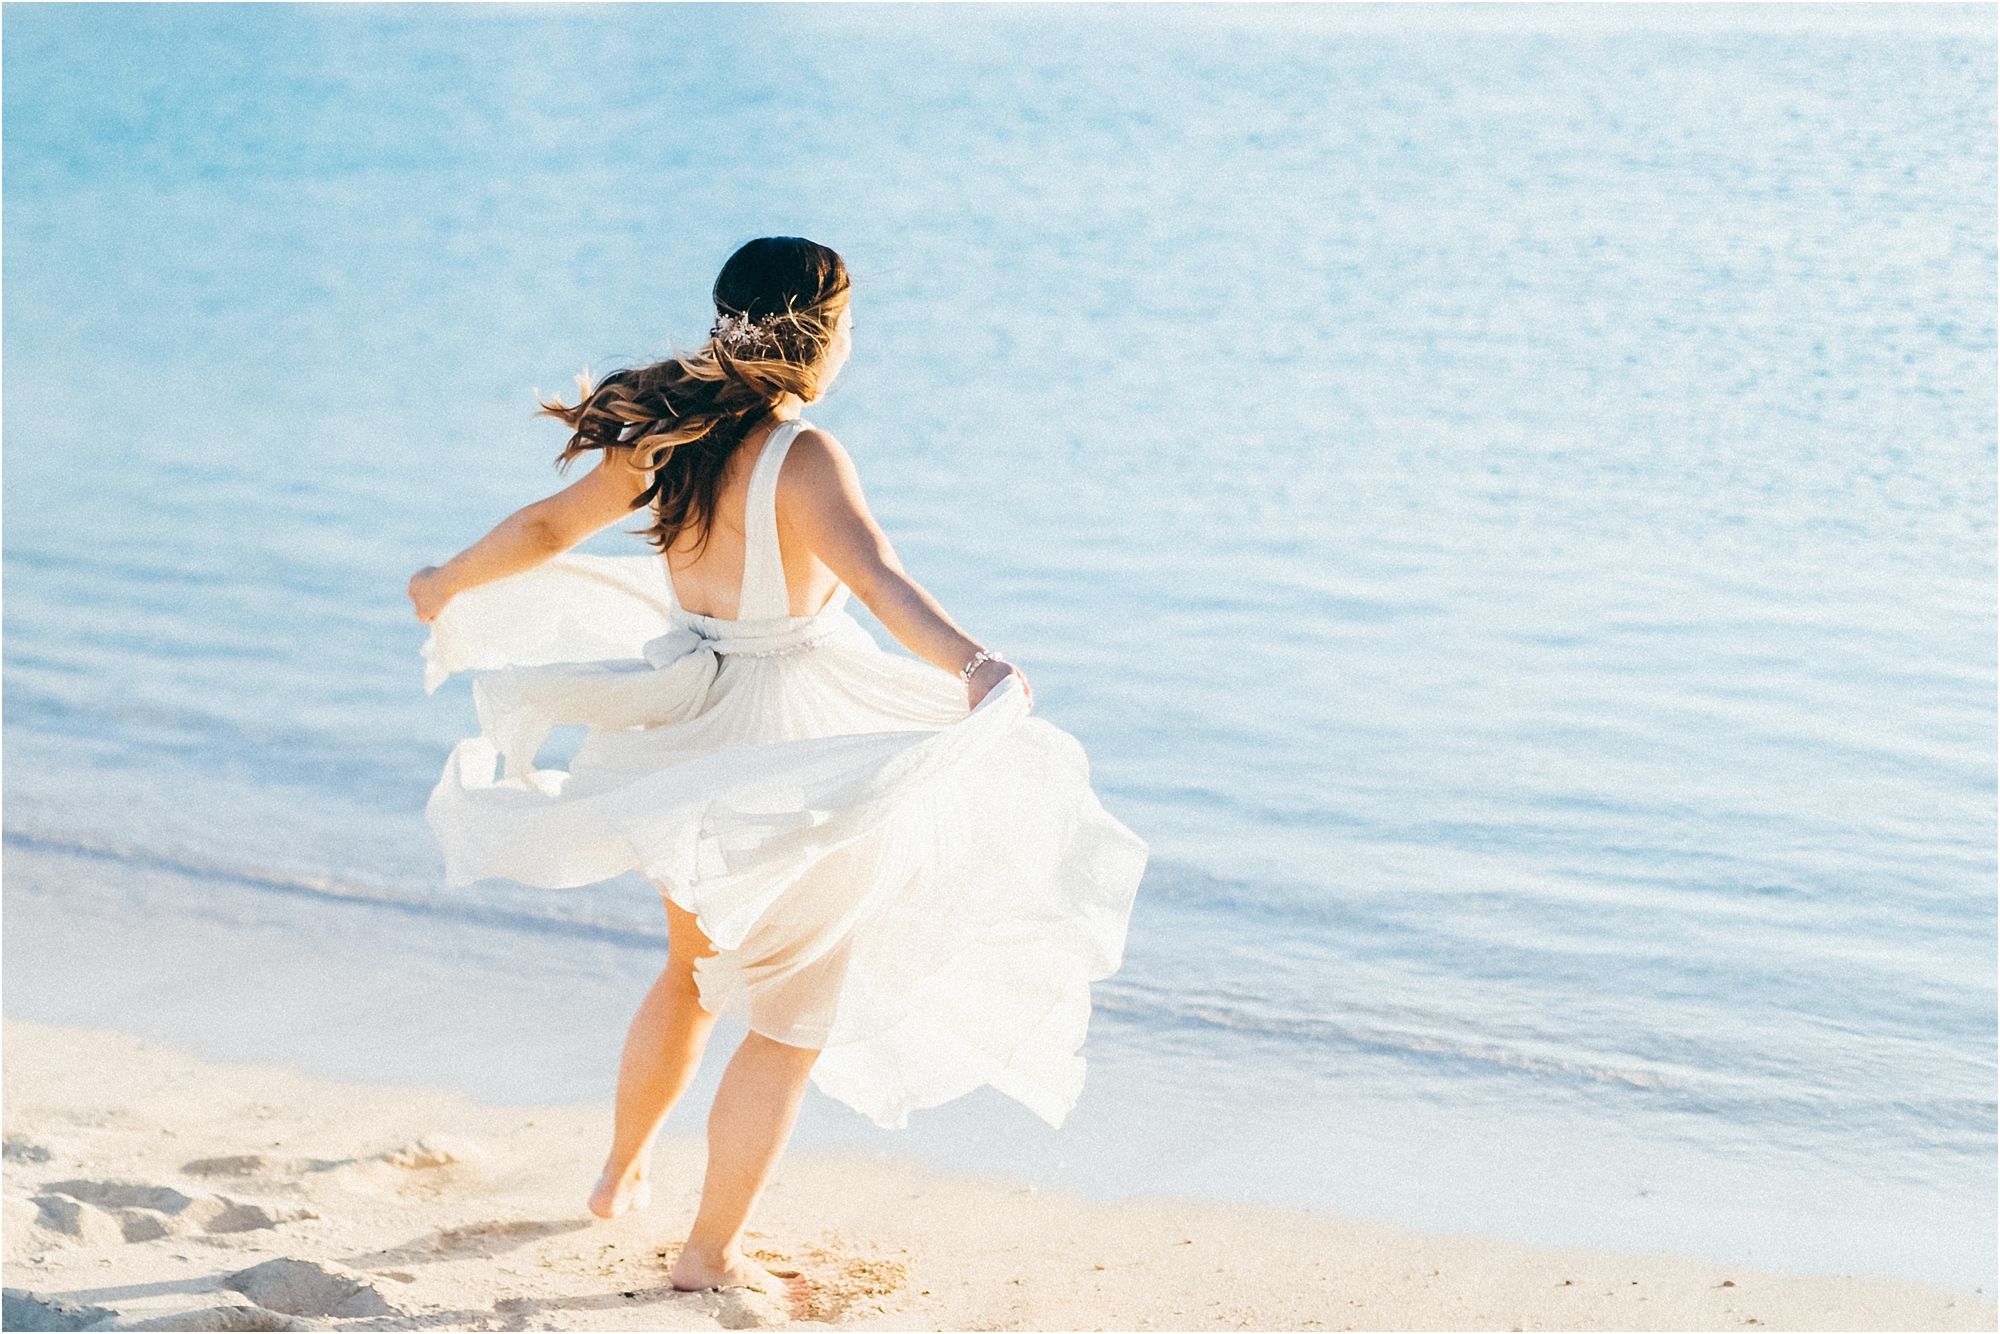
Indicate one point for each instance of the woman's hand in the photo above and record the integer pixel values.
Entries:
(990, 674)
(428, 593)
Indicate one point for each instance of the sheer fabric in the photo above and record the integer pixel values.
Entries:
(924, 894)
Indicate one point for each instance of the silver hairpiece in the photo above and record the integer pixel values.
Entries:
(739, 331)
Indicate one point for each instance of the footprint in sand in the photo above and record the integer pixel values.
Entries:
(33, 1310)
(17, 1150)
(260, 1166)
(309, 1288)
(99, 1213)
(733, 1308)
(842, 1279)
(75, 1221)
(432, 1151)
(486, 1239)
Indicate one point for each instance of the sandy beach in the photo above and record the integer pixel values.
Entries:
(149, 1190)
(1501, 496)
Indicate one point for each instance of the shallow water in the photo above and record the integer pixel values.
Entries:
(1510, 514)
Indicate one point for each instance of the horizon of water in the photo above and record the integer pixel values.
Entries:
(1508, 509)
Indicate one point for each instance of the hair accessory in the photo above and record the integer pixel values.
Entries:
(736, 331)
(965, 673)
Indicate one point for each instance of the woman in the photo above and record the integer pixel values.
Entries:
(898, 879)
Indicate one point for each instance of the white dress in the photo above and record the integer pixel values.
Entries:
(924, 894)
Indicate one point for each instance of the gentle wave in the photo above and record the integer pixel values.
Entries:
(349, 891)
(1132, 1004)
(1137, 999)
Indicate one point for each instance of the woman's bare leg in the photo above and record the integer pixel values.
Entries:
(747, 1129)
(662, 1051)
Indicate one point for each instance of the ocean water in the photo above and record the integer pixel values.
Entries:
(1506, 497)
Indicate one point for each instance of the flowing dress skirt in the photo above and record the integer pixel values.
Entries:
(924, 894)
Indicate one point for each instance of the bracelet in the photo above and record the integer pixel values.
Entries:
(965, 674)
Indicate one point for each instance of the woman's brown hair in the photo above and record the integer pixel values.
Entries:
(777, 302)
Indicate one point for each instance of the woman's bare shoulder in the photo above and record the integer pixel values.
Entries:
(818, 446)
(818, 486)
(816, 462)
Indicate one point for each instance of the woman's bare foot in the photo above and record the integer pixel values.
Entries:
(616, 1195)
(693, 1274)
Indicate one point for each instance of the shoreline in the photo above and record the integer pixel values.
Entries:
(138, 1180)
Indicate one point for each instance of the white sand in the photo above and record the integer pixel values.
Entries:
(138, 1181)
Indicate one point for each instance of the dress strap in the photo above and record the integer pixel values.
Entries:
(764, 596)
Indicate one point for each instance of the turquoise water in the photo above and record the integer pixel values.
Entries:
(1508, 508)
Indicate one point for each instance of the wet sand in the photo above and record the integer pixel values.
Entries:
(147, 1189)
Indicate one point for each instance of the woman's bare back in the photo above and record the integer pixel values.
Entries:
(708, 575)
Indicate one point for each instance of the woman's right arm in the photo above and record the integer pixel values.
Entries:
(819, 498)
(529, 536)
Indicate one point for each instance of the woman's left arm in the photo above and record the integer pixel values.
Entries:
(529, 536)
(820, 494)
